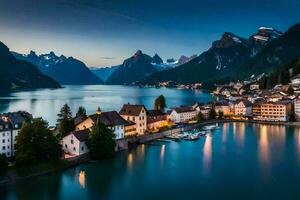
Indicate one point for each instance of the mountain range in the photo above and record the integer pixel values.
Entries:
(140, 66)
(19, 74)
(57, 66)
(230, 56)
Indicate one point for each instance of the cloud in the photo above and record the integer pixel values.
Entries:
(106, 58)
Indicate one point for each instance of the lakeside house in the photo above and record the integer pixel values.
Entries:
(130, 129)
(136, 114)
(272, 111)
(297, 107)
(242, 108)
(183, 114)
(223, 107)
(10, 125)
(110, 119)
(156, 119)
(75, 143)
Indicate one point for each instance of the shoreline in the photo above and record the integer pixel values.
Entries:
(12, 176)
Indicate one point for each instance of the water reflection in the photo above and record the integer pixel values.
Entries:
(129, 161)
(81, 179)
(297, 143)
(224, 132)
(264, 154)
(162, 154)
(207, 150)
(266, 166)
(240, 135)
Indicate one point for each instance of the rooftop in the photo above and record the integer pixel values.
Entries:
(131, 110)
(111, 118)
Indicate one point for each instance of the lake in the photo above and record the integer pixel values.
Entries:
(235, 161)
(46, 103)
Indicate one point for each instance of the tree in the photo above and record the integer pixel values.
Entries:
(81, 112)
(220, 114)
(212, 114)
(262, 82)
(3, 164)
(290, 90)
(101, 141)
(36, 143)
(160, 103)
(65, 121)
(200, 117)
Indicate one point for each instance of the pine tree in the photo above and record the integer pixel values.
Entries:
(212, 114)
(81, 112)
(65, 121)
(160, 103)
(101, 141)
(200, 117)
(220, 115)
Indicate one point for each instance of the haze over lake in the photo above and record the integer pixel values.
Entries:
(46, 103)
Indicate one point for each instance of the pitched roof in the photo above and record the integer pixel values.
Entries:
(78, 120)
(184, 109)
(130, 123)
(15, 118)
(111, 118)
(4, 124)
(131, 110)
(245, 102)
(153, 113)
(81, 135)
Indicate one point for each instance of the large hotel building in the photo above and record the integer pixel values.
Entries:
(272, 111)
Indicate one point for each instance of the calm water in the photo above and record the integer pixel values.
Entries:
(236, 161)
(46, 103)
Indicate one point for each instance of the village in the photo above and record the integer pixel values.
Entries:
(234, 101)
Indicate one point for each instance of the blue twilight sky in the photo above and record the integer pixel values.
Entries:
(104, 32)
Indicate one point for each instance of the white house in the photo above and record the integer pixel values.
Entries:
(5, 138)
(297, 107)
(111, 119)
(183, 114)
(10, 125)
(223, 107)
(136, 114)
(243, 108)
(75, 142)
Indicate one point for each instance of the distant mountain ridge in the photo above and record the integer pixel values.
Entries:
(18, 74)
(225, 58)
(105, 72)
(134, 69)
(67, 71)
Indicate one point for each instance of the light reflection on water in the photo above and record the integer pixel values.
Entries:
(261, 162)
(207, 154)
(81, 179)
(162, 154)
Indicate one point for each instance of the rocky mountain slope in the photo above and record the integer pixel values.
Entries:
(19, 74)
(67, 71)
